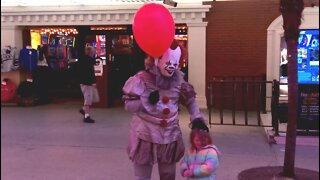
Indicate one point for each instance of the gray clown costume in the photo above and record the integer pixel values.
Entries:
(155, 135)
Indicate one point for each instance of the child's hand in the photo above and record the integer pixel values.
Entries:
(191, 167)
(187, 173)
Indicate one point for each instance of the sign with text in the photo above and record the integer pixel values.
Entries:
(98, 67)
(308, 107)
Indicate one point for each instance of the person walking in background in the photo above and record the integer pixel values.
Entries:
(202, 160)
(87, 81)
(153, 97)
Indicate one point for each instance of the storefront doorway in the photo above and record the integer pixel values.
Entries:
(119, 55)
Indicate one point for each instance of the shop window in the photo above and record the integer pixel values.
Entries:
(182, 37)
(122, 44)
(61, 43)
(283, 68)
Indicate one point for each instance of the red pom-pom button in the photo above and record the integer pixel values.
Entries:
(165, 99)
(166, 111)
(163, 123)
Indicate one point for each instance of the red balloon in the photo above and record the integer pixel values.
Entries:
(153, 29)
(8, 90)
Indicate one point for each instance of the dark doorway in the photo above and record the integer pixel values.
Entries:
(126, 60)
(120, 54)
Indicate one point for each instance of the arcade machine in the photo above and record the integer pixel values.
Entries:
(62, 51)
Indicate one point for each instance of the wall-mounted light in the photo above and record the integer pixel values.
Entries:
(170, 3)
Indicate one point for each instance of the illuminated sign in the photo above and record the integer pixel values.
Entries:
(308, 57)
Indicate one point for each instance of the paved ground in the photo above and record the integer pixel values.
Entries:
(51, 142)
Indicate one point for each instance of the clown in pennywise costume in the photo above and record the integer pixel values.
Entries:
(153, 97)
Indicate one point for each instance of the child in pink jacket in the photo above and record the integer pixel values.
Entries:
(202, 160)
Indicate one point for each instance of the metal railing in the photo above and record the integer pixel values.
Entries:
(239, 94)
(248, 96)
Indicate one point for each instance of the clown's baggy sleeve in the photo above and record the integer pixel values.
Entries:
(132, 90)
(188, 99)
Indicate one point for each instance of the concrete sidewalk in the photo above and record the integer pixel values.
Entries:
(51, 142)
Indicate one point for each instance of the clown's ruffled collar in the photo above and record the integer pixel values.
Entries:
(166, 82)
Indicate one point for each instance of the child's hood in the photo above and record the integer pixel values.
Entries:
(213, 147)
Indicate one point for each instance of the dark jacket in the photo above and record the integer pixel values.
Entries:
(28, 59)
(86, 70)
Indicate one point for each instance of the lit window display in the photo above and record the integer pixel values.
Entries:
(283, 69)
(181, 35)
(308, 57)
(183, 41)
(61, 43)
(307, 60)
(99, 43)
(35, 39)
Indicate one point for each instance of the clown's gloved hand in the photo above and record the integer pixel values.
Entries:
(199, 124)
(154, 97)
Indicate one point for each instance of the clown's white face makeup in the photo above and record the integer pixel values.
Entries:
(169, 62)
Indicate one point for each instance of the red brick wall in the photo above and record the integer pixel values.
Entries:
(237, 37)
(236, 43)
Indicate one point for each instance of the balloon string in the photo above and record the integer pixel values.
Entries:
(156, 64)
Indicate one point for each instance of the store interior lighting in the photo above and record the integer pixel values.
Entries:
(108, 28)
(61, 31)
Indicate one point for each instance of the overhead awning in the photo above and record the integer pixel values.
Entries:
(86, 2)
